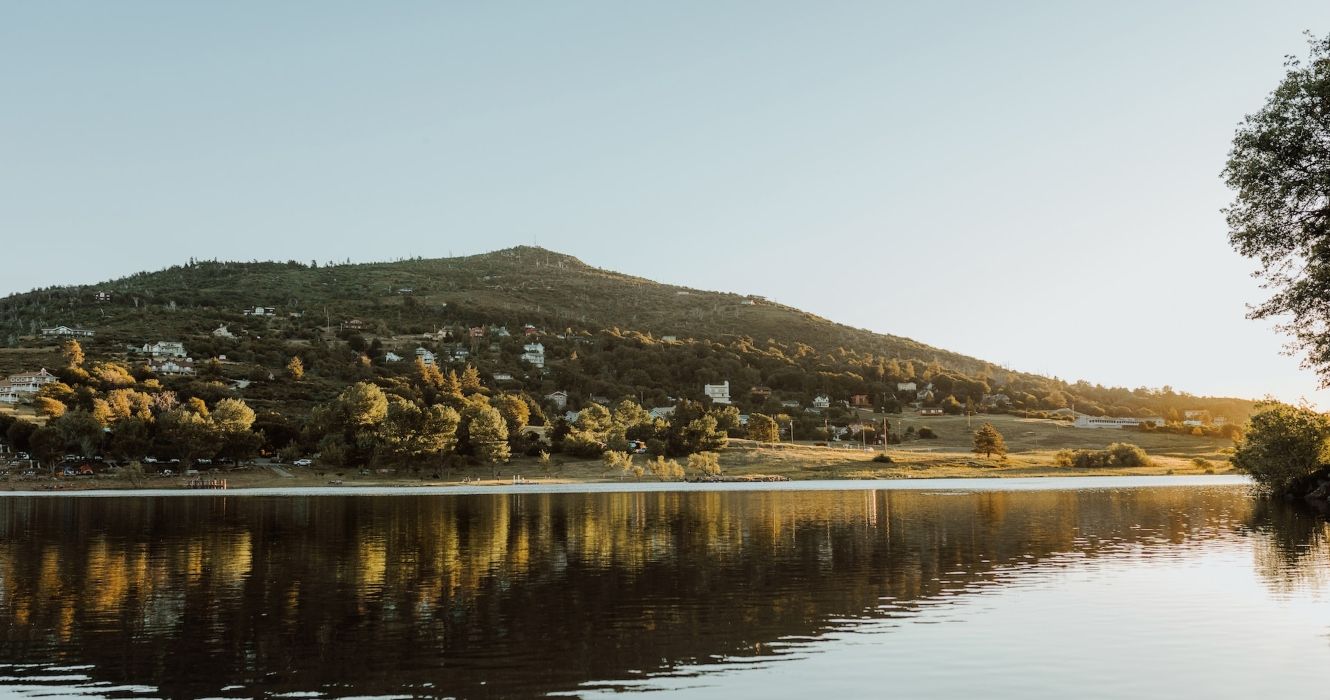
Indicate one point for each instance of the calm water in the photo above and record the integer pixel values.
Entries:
(936, 590)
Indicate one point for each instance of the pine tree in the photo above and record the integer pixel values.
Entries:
(988, 441)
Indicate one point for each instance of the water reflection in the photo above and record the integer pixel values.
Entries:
(528, 594)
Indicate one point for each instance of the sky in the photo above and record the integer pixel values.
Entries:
(1033, 183)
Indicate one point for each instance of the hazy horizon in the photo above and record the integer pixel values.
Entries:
(1030, 184)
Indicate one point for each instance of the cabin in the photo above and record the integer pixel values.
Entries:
(558, 399)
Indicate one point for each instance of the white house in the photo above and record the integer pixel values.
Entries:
(260, 311)
(391, 356)
(500, 331)
(1111, 423)
(7, 393)
(789, 403)
(502, 377)
(426, 356)
(29, 382)
(165, 348)
(66, 332)
(102, 297)
(223, 332)
(718, 393)
(534, 353)
(558, 398)
(821, 401)
(906, 386)
(171, 365)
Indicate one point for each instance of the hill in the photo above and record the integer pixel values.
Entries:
(607, 335)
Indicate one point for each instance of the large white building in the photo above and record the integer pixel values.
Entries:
(165, 348)
(29, 382)
(66, 332)
(1109, 422)
(718, 393)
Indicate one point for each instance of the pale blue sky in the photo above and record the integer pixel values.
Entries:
(1035, 184)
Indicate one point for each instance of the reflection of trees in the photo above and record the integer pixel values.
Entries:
(529, 593)
(1293, 551)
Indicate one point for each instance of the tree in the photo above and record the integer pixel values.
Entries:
(763, 428)
(988, 441)
(706, 463)
(296, 368)
(487, 433)
(73, 353)
(1285, 446)
(470, 380)
(664, 469)
(515, 412)
(48, 407)
(1279, 168)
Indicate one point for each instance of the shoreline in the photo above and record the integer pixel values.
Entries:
(964, 484)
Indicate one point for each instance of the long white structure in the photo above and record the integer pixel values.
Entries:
(1111, 423)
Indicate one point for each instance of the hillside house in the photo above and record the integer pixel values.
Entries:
(1112, 423)
(461, 354)
(718, 393)
(353, 324)
(165, 348)
(995, 401)
(534, 354)
(502, 377)
(669, 339)
(29, 382)
(558, 399)
(760, 393)
(821, 401)
(906, 386)
(102, 297)
(500, 332)
(174, 366)
(391, 356)
(67, 332)
(748, 302)
(427, 357)
(7, 393)
(259, 311)
(930, 411)
(860, 401)
(789, 403)
(477, 332)
(223, 332)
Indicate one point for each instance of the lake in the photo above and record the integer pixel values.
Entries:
(1046, 588)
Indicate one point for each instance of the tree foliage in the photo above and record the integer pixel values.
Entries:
(1279, 168)
(988, 441)
(1284, 446)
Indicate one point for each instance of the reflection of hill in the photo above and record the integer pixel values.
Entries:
(525, 593)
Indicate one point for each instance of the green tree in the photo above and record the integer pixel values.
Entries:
(1285, 447)
(487, 433)
(988, 441)
(763, 428)
(515, 412)
(1279, 169)
(705, 463)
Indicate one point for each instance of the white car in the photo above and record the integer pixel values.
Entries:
(303, 462)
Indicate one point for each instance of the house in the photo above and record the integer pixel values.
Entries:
(930, 411)
(748, 302)
(171, 365)
(102, 297)
(1111, 423)
(427, 357)
(995, 400)
(821, 402)
(669, 339)
(165, 348)
(860, 401)
(529, 329)
(259, 311)
(1195, 414)
(1219, 420)
(391, 356)
(29, 382)
(558, 398)
(906, 386)
(502, 377)
(662, 412)
(500, 332)
(534, 353)
(66, 332)
(7, 393)
(223, 332)
(354, 324)
(461, 354)
(789, 403)
(760, 393)
(924, 394)
(718, 393)
(477, 332)
(571, 416)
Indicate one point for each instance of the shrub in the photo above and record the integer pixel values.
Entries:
(1118, 454)
(927, 434)
(883, 458)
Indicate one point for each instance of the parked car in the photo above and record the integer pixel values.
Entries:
(303, 462)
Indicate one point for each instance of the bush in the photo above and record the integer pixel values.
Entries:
(927, 434)
(1285, 448)
(883, 458)
(1118, 454)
